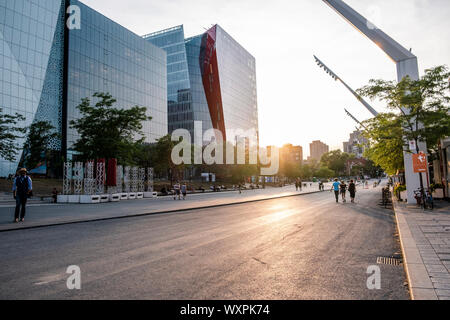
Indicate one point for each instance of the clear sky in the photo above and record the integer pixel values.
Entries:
(298, 102)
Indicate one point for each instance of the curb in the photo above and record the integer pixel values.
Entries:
(155, 213)
(419, 282)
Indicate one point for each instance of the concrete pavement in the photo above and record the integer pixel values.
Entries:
(425, 239)
(46, 214)
(304, 247)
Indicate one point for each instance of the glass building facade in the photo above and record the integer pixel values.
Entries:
(179, 99)
(31, 64)
(46, 69)
(221, 80)
(105, 57)
(237, 74)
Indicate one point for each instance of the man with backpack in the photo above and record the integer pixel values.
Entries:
(22, 188)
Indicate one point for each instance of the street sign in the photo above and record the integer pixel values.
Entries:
(412, 145)
(419, 162)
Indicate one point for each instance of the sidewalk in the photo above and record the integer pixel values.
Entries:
(39, 215)
(425, 240)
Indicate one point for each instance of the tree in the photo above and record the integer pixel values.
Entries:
(9, 132)
(385, 147)
(37, 145)
(420, 114)
(324, 172)
(108, 132)
(336, 160)
(306, 171)
(290, 169)
(422, 105)
(162, 160)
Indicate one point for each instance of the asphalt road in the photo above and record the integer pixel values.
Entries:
(305, 247)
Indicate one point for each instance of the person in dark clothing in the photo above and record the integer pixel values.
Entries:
(343, 188)
(22, 188)
(55, 195)
(352, 190)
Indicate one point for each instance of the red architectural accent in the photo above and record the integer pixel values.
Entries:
(211, 80)
(111, 174)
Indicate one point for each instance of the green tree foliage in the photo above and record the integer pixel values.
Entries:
(420, 112)
(290, 169)
(425, 101)
(385, 148)
(108, 132)
(324, 172)
(36, 147)
(336, 160)
(162, 159)
(10, 131)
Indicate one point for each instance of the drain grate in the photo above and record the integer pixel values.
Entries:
(390, 261)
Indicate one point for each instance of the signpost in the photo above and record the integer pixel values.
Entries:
(420, 162)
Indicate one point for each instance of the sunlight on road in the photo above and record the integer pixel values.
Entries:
(280, 214)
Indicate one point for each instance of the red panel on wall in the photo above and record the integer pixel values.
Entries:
(211, 80)
(111, 175)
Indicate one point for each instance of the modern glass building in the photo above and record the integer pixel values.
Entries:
(31, 64)
(46, 69)
(106, 57)
(221, 80)
(179, 100)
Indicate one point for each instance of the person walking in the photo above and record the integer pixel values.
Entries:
(22, 188)
(343, 188)
(55, 195)
(184, 190)
(352, 190)
(336, 185)
(300, 184)
(177, 188)
(296, 185)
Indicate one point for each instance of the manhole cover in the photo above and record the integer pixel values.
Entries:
(389, 260)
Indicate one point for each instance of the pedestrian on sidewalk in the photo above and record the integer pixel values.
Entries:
(184, 191)
(352, 190)
(335, 187)
(55, 195)
(177, 193)
(22, 188)
(343, 188)
(296, 185)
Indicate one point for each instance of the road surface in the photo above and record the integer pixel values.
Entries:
(305, 247)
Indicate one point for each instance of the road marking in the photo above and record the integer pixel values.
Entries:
(49, 279)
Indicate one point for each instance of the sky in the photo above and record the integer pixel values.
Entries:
(297, 101)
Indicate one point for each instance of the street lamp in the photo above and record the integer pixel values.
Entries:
(354, 119)
(336, 78)
(406, 66)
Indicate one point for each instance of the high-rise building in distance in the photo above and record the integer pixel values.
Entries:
(291, 154)
(355, 144)
(317, 149)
